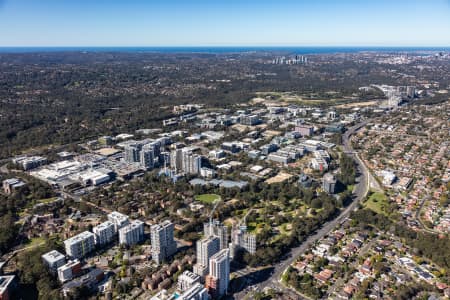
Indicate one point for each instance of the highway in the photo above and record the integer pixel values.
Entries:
(359, 193)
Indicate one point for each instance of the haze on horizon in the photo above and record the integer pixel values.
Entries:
(103, 23)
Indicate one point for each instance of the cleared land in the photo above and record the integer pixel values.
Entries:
(287, 98)
(357, 104)
(47, 200)
(107, 151)
(279, 178)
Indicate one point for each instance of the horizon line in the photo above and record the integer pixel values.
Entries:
(229, 46)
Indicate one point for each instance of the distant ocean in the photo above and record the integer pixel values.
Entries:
(296, 50)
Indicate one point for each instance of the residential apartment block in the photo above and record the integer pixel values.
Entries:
(53, 260)
(163, 243)
(80, 245)
(206, 248)
(119, 220)
(132, 234)
(104, 233)
(186, 280)
(219, 274)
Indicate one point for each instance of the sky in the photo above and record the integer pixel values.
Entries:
(128, 23)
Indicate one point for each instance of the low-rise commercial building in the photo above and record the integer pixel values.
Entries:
(29, 162)
(319, 164)
(304, 130)
(12, 184)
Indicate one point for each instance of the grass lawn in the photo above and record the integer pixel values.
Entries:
(48, 200)
(36, 241)
(283, 229)
(251, 226)
(207, 198)
(23, 213)
(378, 203)
(255, 227)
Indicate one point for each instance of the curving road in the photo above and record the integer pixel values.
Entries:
(359, 193)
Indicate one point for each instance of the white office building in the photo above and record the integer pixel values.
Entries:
(163, 243)
(132, 234)
(53, 260)
(119, 220)
(80, 245)
(104, 233)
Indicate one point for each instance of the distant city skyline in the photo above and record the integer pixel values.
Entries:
(116, 23)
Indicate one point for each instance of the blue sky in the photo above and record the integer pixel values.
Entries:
(224, 23)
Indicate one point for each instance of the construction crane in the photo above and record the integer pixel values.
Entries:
(216, 203)
(244, 219)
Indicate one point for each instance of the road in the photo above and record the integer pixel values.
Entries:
(360, 192)
(419, 220)
(10, 255)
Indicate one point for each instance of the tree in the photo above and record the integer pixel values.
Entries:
(8, 232)
(316, 203)
(348, 170)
